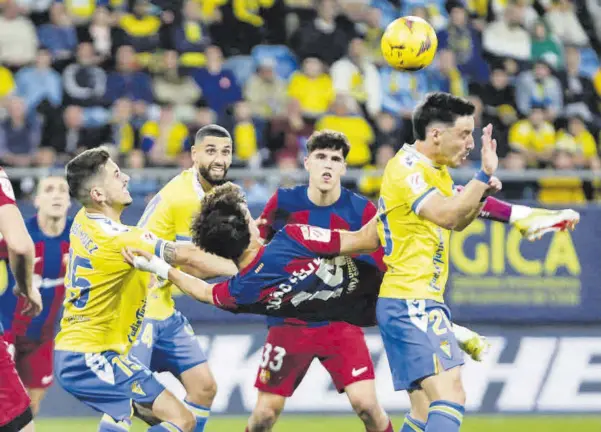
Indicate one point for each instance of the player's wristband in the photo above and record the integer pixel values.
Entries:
(482, 176)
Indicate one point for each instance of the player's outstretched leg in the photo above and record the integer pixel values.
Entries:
(363, 398)
(532, 222)
(447, 397)
(267, 410)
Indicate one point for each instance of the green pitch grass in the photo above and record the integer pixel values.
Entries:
(352, 424)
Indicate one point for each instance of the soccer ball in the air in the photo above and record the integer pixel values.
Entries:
(409, 44)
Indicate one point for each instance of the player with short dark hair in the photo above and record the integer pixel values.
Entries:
(418, 208)
(167, 341)
(15, 412)
(32, 339)
(105, 303)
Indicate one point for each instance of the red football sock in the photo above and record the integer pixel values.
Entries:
(495, 209)
(389, 428)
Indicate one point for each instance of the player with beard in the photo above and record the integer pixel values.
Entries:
(167, 341)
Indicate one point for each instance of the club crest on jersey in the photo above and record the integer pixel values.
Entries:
(417, 183)
(149, 238)
(316, 234)
(446, 348)
(264, 376)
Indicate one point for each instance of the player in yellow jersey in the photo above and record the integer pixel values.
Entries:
(105, 301)
(167, 341)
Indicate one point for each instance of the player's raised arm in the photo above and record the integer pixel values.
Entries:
(145, 261)
(458, 211)
(364, 241)
(21, 251)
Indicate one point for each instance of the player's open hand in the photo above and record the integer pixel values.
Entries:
(490, 160)
(33, 303)
(135, 256)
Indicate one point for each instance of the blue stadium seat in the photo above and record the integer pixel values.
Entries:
(241, 66)
(589, 62)
(285, 60)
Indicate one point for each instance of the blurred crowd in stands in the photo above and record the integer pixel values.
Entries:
(144, 75)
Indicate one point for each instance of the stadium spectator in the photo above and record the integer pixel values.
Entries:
(464, 41)
(163, 140)
(545, 46)
(140, 187)
(499, 107)
(127, 80)
(245, 135)
(141, 29)
(447, 76)
(312, 87)
(124, 135)
(18, 39)
(81, 12)
(7, 84)
(105, 37)
(387, 131)
(355, 75)
(191, 37)
(401, 93)
(59, 35)
(534, 137)
(70, 136)
(204, 116)
(36, 10)
(40, 83)
(541, 88)
(585, 147)
(322, 37)
(288, 133)
(369, 184)
(265, 91)
(564, 23)
(579, 95)
(172, 86)
(561, 190)
(345, 117)
(219, 86)
(516, 41)
(84, 83)
(372, 33)
(19, 135)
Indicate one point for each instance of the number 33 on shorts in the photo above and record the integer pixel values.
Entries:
(273, 357)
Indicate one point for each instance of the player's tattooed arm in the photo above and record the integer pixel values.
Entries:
(197, 262)
(145, 261)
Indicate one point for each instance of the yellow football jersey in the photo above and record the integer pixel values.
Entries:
(169, 216)
(105, 297)
(416, 250)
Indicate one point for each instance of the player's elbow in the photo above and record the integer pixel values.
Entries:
(21, 247)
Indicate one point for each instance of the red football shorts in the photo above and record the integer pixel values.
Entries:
(289, 351)
(14, 400)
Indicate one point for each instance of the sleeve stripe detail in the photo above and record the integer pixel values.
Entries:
(183, 238)
(416, 206)
(159, 248)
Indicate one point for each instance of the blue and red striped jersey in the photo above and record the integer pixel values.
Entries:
(293, 206)
(49, 273)
(299, 275)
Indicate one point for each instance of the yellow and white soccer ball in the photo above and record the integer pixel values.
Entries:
(409, 43)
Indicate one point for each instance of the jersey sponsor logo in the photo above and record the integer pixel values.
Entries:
(6, 186)
(417, 183)
(275, 298)
(316, 234)
(356, 372)
(135, 327)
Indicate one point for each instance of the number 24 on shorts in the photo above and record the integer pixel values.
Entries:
(275, 361)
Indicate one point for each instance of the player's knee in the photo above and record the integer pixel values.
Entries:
(265, 417)
(367, 409)
(203, 393)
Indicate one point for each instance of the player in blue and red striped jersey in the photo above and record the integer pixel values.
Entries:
(339, 346)
(31, 339)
